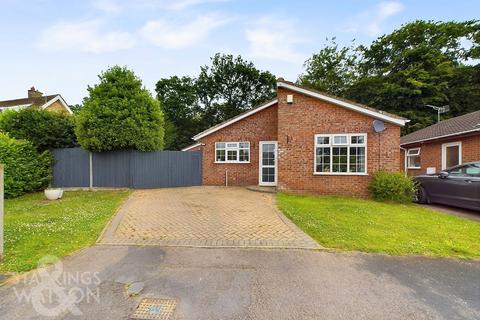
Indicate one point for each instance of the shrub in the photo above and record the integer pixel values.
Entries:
(120, 113)
(46, 130)
(26, 169)
(392, 186)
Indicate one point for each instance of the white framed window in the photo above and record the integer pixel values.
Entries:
(451, 154)
(341, 154)
(413, 158)
(232, 152)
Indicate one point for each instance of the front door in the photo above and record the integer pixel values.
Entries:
(268, 163)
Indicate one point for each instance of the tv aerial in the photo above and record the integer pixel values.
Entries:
(440, 110)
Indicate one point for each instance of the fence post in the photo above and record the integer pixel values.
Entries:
(1, 211)
(91, 169)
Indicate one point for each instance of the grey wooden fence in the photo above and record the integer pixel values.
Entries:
(75, 167)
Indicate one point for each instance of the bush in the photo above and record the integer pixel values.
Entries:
(46, 130)
(120, 113)
(26, 169)
(392, 186)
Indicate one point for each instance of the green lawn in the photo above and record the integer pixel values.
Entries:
(397, 229)
(35, 227)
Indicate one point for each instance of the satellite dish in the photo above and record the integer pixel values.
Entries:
(378, 126)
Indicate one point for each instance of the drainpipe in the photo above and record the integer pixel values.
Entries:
(226, 178)
(404, 160)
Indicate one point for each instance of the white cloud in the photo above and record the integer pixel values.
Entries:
(275, 39)
(370, 22)
(175, 35)
(85, 36)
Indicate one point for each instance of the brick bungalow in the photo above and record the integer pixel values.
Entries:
(442, 145)
(36, 99)
(304, 141)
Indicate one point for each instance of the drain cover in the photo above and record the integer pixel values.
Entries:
(150, 308)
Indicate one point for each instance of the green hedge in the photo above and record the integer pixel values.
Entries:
(26, 169)
(392, 186)
(46, 130)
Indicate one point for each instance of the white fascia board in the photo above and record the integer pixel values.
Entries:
(59, 99)
(226, 124)
(192, 146)
(374, 114)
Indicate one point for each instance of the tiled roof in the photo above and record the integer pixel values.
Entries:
(38, 101)
(469, 122)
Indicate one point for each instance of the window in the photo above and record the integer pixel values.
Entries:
(413, 158)
(232, 152)
(451, 154)
(469, 170)
(340, 153)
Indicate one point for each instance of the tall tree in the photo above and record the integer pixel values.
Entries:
(179, 101)
(421, 63)
(333, 69)
(120, 113)
(230, 86)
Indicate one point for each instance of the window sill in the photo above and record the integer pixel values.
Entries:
(339, 174)
(414, 168)
(231, 162)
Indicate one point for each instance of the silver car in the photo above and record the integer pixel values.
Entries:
(457, 186)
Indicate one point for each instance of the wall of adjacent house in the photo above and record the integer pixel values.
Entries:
(57, 107)
(431, 153)
(297, 125)
(261, 126)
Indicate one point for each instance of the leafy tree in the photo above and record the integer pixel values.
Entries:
(332, 69)
(120, 113)
(75, 108)
(46, 130)
(178, 97)
(423, 62)
(230, 86)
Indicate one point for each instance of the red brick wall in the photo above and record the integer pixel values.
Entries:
(262, 126)
(431, 153)
(297, 125)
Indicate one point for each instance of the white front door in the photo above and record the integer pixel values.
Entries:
(268, 163)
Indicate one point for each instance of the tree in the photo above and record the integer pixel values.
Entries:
(120, 113)
(230, 86)
(421, 63)
(75, 108)
(46, 130)
(332, 69)
(179, 101)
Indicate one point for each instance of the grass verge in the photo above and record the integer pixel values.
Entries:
(370, 226)
(35, 227)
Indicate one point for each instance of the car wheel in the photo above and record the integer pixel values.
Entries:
(421, 195)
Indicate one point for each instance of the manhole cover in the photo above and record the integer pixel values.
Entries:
(155, 309)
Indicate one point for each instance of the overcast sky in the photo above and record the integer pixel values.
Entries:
(61, 46)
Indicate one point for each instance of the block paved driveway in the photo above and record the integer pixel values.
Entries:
(204, 217)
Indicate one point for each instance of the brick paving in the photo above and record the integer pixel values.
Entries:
(204, 217)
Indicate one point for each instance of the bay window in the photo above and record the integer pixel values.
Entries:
(232, 152)
(340, 153)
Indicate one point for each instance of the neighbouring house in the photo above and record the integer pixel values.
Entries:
(442, 145)
(303, 141)
(35, 98)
